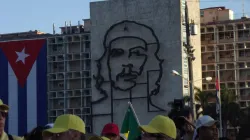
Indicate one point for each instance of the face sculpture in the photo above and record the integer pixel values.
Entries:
(128, 56)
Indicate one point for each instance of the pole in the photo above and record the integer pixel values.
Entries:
(190, 65)
(131, 106)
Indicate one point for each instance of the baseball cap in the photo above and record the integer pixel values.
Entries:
(110, 128)
(50, 125)
(161, 124)
(205, 121)
(98, 138)
(67, 122)
(3, 107)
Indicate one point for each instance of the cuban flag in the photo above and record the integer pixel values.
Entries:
(23, 84)
(217, 85)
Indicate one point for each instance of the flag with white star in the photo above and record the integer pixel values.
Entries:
(23, 84)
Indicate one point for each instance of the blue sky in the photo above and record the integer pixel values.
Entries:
(25, 15)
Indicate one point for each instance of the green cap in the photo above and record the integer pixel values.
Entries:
(67, 122)
(3, 107)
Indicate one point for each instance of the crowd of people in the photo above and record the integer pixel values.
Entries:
(72, 127)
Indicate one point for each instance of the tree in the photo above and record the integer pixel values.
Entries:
(202, 96)
(230, 109)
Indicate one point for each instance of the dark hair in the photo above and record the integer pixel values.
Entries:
(35, 134)
(224, 138)
(138, 138)
(186, 111)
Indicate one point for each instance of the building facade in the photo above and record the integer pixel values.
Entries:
(135, 45)
(227, 44)
(213, 14)
(69, 73)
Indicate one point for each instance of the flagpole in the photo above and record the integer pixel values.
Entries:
(131, 106)
(220, 115)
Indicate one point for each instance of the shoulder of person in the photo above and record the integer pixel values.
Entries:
(17, 137)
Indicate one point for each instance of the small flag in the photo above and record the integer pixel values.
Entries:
(217, 85)
(130, 125)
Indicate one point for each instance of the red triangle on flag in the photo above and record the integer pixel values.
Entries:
(21, 56)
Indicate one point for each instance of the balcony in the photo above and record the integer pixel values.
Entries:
(226, 56)
(244, 74)
(208, 58)
(244, 55)
(227, 75)
(210, 48)
(210, 67)
(243, 35)
(208, 39)
(245, 97)
(229, 28)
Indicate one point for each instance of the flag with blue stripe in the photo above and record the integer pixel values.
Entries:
(23, 84)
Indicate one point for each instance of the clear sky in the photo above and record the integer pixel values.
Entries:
(25, 15)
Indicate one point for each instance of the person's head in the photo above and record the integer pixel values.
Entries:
(160, 127)
(187, 113)
(133, 50)
(66, 127)
(206, 128)
(47, 126)
(35, 134)
(111, 131)
(98, 138)
(3, 114)
(183, 121)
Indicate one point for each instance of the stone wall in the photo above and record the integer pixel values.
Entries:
(135, 45)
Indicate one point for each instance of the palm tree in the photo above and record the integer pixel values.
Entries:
(202, 96)
(230, 109)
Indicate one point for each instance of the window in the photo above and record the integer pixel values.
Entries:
(241, 53)
(202, 14)
(203, 68)
(202, 30)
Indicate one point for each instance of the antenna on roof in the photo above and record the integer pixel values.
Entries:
(243, 8)
(66, 28)
(78, 27)
(70, 27)
(54, 31)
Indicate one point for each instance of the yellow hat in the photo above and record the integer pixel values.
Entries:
(67, 122)
(3, 107)
(161, 124)
(98, 138)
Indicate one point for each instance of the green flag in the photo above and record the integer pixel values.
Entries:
(130, 125)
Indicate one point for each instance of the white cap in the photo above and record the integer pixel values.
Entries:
(205, 121)
(50, 125)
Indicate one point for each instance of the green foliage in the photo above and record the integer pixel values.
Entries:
(202, 96)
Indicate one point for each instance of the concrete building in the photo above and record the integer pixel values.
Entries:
(23, 35)
(225, 42)
(216, 14)
(69, 73)
(135, 44)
